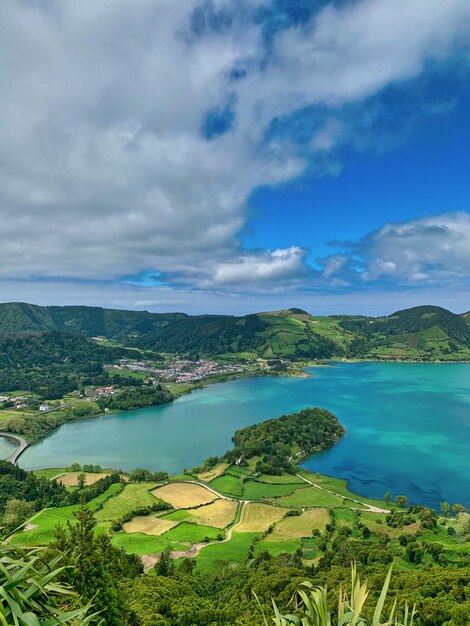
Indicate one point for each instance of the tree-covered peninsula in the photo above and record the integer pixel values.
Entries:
(282, 441)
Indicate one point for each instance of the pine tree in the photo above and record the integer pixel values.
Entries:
(93, 563)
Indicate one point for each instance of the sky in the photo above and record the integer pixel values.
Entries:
(232, 156)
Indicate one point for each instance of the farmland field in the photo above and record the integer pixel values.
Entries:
(149, 525)
(140, 543)
(253, 490)
(216, 471)
(309, 497)
(284, 479)
(276, 546)
(43, 525)
(131, 497)
(233, 551)
(219, 513)
(301, 525)
(189, 534)
(184, 495)
(71, 479)
(229, 485)
(257, 517)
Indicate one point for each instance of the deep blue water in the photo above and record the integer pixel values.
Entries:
(408, 428)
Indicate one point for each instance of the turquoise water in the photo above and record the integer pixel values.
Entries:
(7, 447)
(408, 428)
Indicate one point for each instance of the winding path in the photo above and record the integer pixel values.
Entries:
(22, 445)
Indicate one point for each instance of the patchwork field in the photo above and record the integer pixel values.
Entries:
(184, 495)
(149, 525)
(258, 517)
(196, 527)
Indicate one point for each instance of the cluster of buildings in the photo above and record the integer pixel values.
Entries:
(179, 370)
(19, 402)
(100, 391)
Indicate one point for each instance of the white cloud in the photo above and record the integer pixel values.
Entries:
(419, 253)
(103, 167)
(277, 265)
(432, 249)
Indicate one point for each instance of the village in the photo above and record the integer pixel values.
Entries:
(179, 370)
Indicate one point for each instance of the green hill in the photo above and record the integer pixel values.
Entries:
(19, 317)
(424, 332)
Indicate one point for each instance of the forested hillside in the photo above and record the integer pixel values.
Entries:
(19, 317)
(425, 332)
(53, 363)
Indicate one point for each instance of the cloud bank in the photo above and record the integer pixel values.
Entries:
(132, 135)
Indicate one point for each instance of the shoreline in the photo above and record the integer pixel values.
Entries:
(299, 372)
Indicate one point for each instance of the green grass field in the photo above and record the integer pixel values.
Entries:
(309, 548)
(311, 496)
(339, 485)
(285, 479)
(234, 551)
(258, 491)
(187, 532)
(228, 485)
(238, 470)
(46, 521)
(138, 543)
(277, 546)
(131, 497)
(177, 516)
(50, 473)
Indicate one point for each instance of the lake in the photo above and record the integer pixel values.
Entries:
(408, 428)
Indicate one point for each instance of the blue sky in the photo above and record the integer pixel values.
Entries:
(426, 173)
(233, 156)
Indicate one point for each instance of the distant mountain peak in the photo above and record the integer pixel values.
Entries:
(291, 311)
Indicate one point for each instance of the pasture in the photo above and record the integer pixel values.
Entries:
(213, 557)
(41, 527)
(131, 497)
(140, 543)
(284, 479)
(253, 490)
(184, 495)
(309, 497)
(228, 485)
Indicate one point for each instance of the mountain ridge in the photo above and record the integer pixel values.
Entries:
(425, 332)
